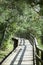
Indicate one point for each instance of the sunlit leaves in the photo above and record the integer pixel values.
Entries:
(18, 18)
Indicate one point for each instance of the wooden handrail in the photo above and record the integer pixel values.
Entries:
(38, 53)
(32, 42)
(39, 58)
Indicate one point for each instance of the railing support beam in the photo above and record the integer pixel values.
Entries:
(37, 52)
(42, 57)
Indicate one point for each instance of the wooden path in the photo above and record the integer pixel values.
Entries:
(23, 55)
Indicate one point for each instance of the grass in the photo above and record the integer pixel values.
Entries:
(4, 53)
(40, 44)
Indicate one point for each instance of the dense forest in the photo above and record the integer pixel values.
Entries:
(20, 18)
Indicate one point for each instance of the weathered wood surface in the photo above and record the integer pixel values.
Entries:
(22, 55)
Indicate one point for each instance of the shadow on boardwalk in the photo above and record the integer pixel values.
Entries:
(20, 60)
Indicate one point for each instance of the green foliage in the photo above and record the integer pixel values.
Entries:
(18, 18)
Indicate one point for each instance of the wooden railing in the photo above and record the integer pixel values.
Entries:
(31, 38)
(37, 52)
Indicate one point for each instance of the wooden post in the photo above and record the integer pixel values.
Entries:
(33, 56)
(33, 52)
(37, 52)
(15, 43)
(41, 57)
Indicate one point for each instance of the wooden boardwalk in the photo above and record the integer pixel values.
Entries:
(23, 55)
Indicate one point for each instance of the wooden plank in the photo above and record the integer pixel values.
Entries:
(24, 62)
(27, 55)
